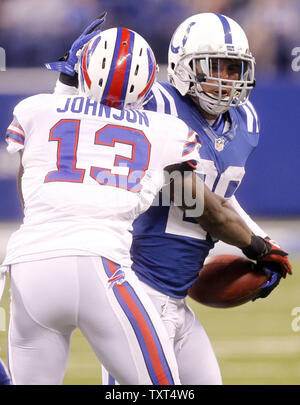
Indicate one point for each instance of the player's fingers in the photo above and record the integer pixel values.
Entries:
(95, 24)
(282, 261)
(286, 268)
(87, 38)
(289, 268)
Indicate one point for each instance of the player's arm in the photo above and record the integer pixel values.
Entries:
(217, 216)
(255, 228)
(221, 220)
(15, 138)
(272, 269)
(230, 227)
(19, 180)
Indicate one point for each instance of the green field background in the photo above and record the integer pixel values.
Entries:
(255, 343)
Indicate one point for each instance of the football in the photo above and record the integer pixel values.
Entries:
(227, 281)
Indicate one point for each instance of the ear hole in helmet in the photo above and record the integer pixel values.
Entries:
(136, 70)
(131, 89)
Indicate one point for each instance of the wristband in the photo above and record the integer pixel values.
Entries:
(256, 249)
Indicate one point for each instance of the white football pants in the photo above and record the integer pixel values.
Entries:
(52, 297)
(195, 356)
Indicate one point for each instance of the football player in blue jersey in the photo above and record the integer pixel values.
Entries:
(211, 74)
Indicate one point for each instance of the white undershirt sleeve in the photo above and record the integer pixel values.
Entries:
(251, 224)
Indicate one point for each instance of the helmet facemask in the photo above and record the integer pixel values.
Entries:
(205, 74)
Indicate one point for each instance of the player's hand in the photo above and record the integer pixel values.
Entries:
(272, 271)
(274, 254)
(67, 63)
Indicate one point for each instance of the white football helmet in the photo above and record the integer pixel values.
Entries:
(117, 68)
(196, 52)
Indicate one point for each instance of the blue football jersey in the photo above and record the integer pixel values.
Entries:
(168, 248)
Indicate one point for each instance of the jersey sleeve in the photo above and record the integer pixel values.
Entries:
(191, 148)
(15, 136)
(247, 219)
(21, 125)
(183, 144)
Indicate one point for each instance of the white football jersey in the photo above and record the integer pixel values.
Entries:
(89, 171)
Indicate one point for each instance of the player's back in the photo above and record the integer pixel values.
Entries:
(89, 170)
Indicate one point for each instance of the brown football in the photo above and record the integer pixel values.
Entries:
(227, 281)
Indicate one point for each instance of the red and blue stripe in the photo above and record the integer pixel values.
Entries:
(151, 74)
(15, 132)
(85, 61)
(154, 357)
(116, 86)
(189, 146)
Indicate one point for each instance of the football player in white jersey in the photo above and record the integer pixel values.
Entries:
(211, 74)
(87, 171)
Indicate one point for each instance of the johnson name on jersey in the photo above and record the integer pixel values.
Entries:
(225, 148)
(89, 171)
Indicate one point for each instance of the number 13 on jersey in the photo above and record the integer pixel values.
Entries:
(66, 133)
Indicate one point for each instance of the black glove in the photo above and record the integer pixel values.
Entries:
(266, 251)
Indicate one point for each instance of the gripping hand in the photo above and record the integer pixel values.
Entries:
(67, 63)
(274, 254)
(272, 270)
(266, 251)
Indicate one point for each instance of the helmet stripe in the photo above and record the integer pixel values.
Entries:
(150, 63)
(86, 76)
(113, 64)
(128, 67)
(227, 30)
(95, 44)
(152, 70)
(116, 86)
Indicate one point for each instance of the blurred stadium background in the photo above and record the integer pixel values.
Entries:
(257, 343)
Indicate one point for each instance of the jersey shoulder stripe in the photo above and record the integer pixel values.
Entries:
(252, 109)
(251, 116)
(169, 100)
(162, 100)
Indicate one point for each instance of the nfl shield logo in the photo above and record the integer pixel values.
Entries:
(219, 144)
